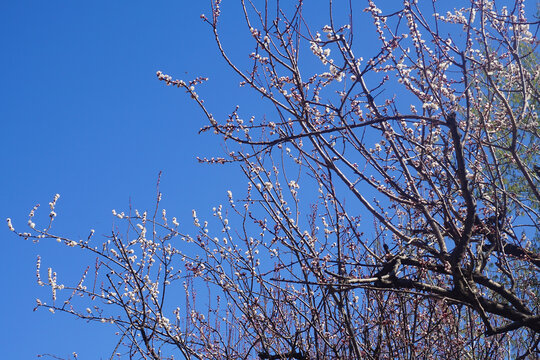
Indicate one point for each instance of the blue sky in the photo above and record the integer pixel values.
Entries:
(84, 115)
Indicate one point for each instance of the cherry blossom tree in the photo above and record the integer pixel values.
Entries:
(382, 218)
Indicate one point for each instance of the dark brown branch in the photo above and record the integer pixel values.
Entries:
(289, 355)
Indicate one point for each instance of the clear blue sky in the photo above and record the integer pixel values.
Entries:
(83, 115)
